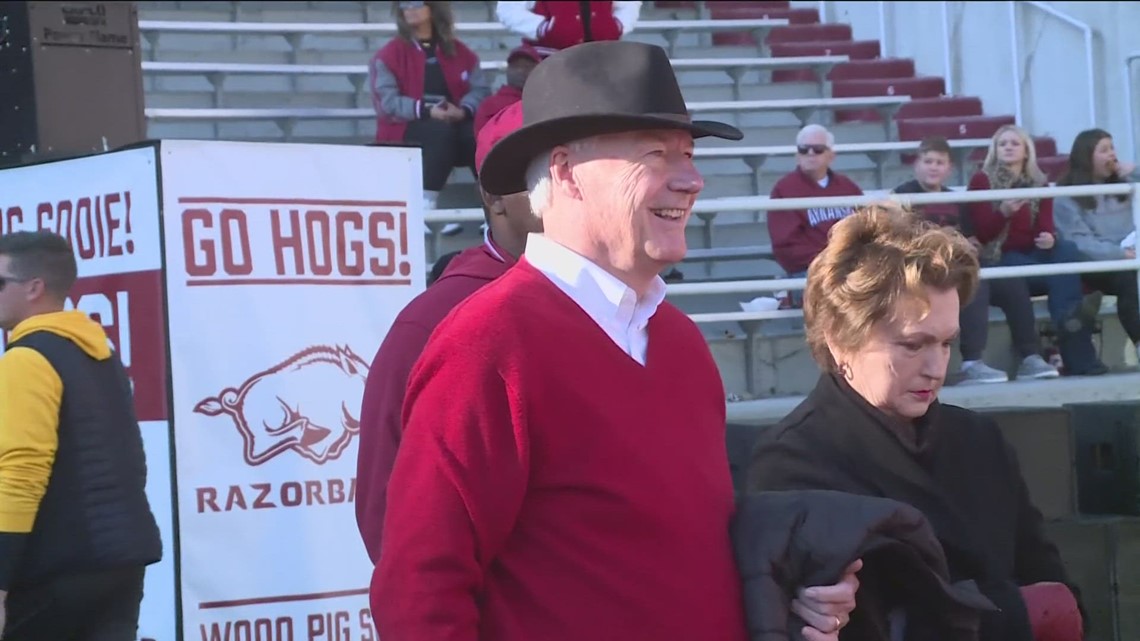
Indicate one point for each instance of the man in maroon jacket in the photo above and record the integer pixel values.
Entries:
(520, 62)
(798, 235)
(509, 221)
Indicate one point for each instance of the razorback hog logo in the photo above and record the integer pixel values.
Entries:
(309, 403)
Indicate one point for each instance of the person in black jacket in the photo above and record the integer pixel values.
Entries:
(881, 313)
(76, 528)
(1012, 295)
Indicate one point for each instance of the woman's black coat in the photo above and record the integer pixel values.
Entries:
(962, 475)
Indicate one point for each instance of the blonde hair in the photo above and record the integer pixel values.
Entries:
(877, 258)
(1030, 170)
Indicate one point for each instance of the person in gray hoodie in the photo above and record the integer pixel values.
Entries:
(1102, 226)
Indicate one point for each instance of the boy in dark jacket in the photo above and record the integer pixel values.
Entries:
(1012, 295)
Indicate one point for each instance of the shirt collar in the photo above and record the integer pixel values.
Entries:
(593, 288)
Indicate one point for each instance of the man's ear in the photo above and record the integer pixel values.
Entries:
(561, 173)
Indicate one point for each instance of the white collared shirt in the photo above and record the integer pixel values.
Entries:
(612, 304)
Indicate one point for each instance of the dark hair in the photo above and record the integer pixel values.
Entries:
(44, 255)
(1081, 166)
(442, 24)
(935, 144)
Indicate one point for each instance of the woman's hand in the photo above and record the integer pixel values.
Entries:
(1130, 253)
(1010, 207)
(1125, 169)
(439, 112)
(1045, 240)
(826, 609)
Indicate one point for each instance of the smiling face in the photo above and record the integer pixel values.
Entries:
(901, 366)
(635, 193)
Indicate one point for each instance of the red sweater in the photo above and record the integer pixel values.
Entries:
(799, 235)
(550, 488)
(405, 59)
(988, 220)
(380, 423)
(496, 102)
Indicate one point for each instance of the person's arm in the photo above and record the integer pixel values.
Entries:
(518, 17)
(387, 97)
(1045, 217)
(454, 495)
(30, 397)
(627, 13)
(381, 428)
(1071, 225)
(985, 219)
(479, 87)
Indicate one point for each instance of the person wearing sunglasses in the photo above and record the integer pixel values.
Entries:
(799, 235)
(426, 87)
(76, 529)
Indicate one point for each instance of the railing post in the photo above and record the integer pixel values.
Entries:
(1136, 225)
(1013, 35)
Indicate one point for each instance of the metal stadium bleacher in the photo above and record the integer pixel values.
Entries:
(296, 71)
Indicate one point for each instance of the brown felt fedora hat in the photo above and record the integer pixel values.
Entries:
(587, 90)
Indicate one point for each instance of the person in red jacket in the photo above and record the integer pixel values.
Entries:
(426, 87)
(563, 473)
(1021, 232)
(799, 235)
(520, 62)
(509, 221)
(555, 25)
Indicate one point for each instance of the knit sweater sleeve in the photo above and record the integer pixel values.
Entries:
(454, 496)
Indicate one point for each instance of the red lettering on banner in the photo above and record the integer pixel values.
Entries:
(367, 632)
(97, 226)
(313, 241)
(267, 496)
(330, 626)
(124, 305)
(203, 239)
(279, 629)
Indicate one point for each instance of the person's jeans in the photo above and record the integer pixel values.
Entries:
(1065, 293)
(93, 606)
(444, 146)
(1013, 297)
(1122, 285)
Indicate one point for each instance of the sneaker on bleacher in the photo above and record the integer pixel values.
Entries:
(1036, 367)
(978, 373)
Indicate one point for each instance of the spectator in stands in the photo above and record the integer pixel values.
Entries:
(931, 169)
(881, 311)
(1102, 226)
(426, 87)
(557, 480)
(1021, 232)
(799, 235)
(520, 62)
(552, 26)
(509, 221)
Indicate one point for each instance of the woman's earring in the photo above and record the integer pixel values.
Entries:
(845, 371)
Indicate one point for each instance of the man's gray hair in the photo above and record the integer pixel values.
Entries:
(815, 129)
(538, 181)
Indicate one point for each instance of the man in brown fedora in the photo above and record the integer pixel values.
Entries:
(563, 473)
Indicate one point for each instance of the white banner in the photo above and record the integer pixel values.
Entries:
(286, 265)
(107, 207)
